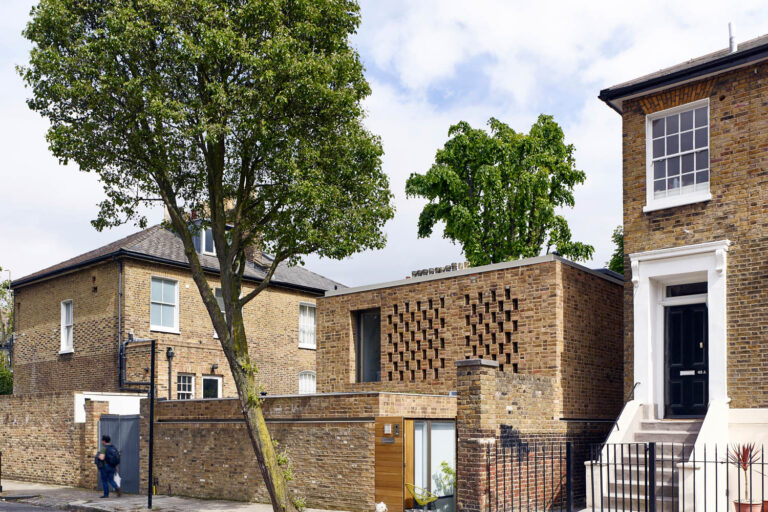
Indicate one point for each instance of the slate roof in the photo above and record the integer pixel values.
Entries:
(746, 53)
(162, 246)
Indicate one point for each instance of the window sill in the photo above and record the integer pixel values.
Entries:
(164, 329)
(671, 202)
(67, 351)
(308, 347)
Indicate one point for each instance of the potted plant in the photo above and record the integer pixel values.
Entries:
(743, 456)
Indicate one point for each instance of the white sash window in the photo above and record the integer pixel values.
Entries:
(307, 326)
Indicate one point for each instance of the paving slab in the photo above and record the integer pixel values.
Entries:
(71, 498)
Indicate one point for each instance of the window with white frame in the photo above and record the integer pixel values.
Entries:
(307, 382)
(204, 241)
(307, 326)
(164, 310)
(212, 386)
(185, 387)
(67, 326)
(678, 155)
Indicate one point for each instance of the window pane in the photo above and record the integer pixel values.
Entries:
(687, 179)
(673, 183)
(219, 298)
(672, 145)
(702, 177)
(672, 125)
(157, 290)
(420, 451)
(702, 160)
(686, 120)
(155, 315)
(442, 451)
(169, 292)
(68, 313)
(659, 169)
(209, 240)
(701, 138)
(211, 388)
(686, 141)
(658, 128)
(681, 290)
(168, 316)
(701, 116)
(687, 162)
(658, 148)
(673, 166)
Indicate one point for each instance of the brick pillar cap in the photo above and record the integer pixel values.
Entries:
(477, 362)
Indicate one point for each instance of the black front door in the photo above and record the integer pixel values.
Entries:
(687, 382)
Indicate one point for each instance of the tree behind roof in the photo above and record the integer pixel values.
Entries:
(498, 193)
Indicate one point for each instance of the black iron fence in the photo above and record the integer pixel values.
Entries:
(667, 477)
(535, 476)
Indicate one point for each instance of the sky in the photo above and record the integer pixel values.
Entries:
(430, 63)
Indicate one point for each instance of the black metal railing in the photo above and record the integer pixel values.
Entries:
(533, 476)
(677, 477)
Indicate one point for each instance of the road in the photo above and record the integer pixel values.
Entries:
(10, 506)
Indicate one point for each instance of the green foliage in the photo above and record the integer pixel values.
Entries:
(205, 103)
(6, 377)
(300, 504)
(445, 481)
(616, 262)
(498, 192)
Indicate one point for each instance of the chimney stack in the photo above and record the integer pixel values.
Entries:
(731, 42)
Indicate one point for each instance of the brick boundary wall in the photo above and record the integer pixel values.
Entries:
(202, 448)
(40, 441)
(497, 411)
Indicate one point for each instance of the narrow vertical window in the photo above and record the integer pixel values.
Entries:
(67, 326)
(164, 311)
(307, 326)
(307, 382)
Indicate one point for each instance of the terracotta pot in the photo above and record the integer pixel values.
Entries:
(747, 507)
(765, 506)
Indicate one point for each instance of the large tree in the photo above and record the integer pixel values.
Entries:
(499, 192)
(247, 112)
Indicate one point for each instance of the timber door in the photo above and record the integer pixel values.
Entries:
(124, 431)
(687, 364)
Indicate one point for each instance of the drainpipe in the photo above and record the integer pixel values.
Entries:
(169, 353)
(120, 353)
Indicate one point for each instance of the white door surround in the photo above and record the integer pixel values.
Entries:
(652, 271)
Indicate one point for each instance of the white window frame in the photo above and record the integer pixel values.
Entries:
(220, 381)
(192, 386)
(221, 306)
(653, 204)
(161, 328)
(67, 329)
(308, 373)
(302, 344)
(202, 234)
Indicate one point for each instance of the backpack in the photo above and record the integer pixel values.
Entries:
(112, 456)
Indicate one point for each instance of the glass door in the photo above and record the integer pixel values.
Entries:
(434, 461)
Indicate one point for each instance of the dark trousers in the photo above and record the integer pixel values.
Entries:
(107, 475)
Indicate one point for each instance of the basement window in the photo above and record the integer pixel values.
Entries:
(368, 345)
(678, 156)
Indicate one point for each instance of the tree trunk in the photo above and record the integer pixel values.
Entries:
(248, 391)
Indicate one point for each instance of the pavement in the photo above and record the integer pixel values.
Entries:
(22, 496)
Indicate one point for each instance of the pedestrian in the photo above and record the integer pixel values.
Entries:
(107, 459)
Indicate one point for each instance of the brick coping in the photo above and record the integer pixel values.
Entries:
(475, 270)
(309, 395)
